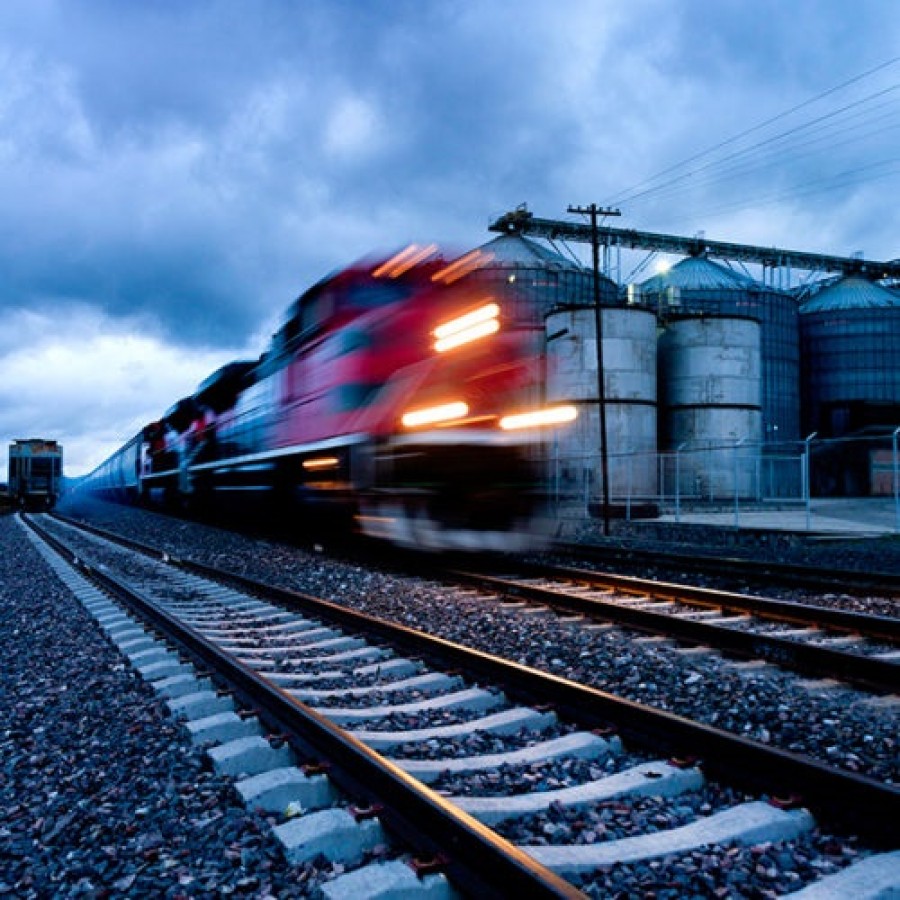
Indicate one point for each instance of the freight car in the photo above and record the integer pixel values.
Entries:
(398, 395)
(35, 473)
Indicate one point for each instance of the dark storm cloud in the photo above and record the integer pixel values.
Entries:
(197, 164)
(174, 172)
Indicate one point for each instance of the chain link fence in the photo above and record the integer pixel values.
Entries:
(735, 478)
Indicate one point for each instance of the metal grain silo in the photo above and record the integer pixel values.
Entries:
(850, 339)
(530, 273)
(629, 364)
(698, 285)
(709, 395)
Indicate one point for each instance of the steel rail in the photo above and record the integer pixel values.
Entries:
(847, 581)
(885, 628)
(473, 856)
(837, 797)
(866, 672)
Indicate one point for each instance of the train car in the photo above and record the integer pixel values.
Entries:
(35, 473)
(398, 395)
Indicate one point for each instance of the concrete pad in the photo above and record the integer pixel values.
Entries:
(304, 639)
(365, 653)
(396, 666)
(136, 644)
(274, 789)
(507, 722)
(798, 633)
(654, 779)
(154, 671)
(473, 699)
(749, 667)
(579, 744)
(689, 652)
(750, 823)
(393, 880)
(334, 833)
(112, 618)
(98, 605)
(737, 619)
(431, 681)
(221, 728)
(888, 701)
(199, 705)
(132, 629)
(286, 679)
(836, 643)
(181, 685)
(820, 685)
(873, 878)
(156, 653)
(249, 756)
(336, 644)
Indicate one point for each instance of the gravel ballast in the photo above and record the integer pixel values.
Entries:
(837, 725)
(152, 820)
(101, 793)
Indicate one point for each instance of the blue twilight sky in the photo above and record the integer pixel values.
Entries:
(174, 172)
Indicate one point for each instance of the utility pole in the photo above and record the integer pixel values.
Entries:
(594, 211)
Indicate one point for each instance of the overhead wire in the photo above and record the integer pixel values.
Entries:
(644, 187)
(779, 142)
(851, 121)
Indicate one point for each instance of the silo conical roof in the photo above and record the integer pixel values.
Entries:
(853, 292)
(517, 250)
(697, 273)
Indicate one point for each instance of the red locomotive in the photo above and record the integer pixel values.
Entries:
(399, 393)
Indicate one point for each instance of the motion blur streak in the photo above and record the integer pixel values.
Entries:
(322, 462)
(351, 420)
(414, 260)
(462, 266)
(446, 412)
(476, 324)
(387, 267)
(555, 415)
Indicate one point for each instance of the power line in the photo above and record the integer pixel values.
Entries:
(765, 143)
(758, 127)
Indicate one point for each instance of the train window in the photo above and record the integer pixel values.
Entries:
(351, 340)
(371, 294)
(350, 397)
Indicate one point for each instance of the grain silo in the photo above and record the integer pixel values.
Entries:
(530, 273)
(850, 340)
(698, 285)
(629, 366)
(709, 396)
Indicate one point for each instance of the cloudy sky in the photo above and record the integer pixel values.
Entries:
(174, 172)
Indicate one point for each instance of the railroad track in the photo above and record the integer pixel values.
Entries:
(390, 724)
(862, 650)
(738, 570)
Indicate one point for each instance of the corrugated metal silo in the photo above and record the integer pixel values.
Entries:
(709, 395)
(629, 364)
(698, 285)
(541, 278)
(850, 338)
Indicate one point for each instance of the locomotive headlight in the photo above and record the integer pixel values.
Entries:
(431, 415)
(464, 329)
(320, 462)
(551, 415)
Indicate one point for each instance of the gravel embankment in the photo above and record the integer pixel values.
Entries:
(101, 794)
(838, 726)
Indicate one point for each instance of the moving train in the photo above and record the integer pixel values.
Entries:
(35, 473)
(399, 396)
